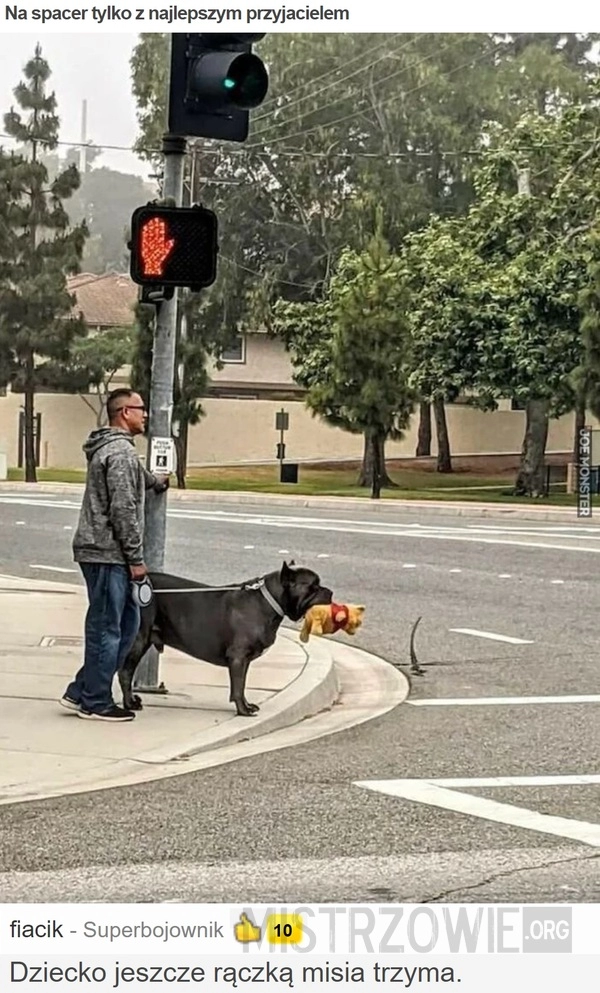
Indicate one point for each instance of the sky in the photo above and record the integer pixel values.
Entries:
(84, 67)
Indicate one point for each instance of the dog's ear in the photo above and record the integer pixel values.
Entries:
(284, 575)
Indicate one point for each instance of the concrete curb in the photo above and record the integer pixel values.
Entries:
(283, 500)
(370, 687)
(314, 690)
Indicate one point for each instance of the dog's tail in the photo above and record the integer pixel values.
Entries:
(414, 662)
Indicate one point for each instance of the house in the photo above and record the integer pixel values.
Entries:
(106, 301)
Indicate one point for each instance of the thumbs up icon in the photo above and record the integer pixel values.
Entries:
(246, 931)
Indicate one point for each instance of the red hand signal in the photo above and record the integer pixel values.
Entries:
(155, 246)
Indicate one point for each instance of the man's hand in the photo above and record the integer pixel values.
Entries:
(162, 483)
(138, 571)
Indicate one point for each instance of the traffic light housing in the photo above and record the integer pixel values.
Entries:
(173, 246)
(215, 81)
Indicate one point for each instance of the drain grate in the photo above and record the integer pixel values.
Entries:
(61, 641)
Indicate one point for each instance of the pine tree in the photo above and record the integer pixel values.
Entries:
(38, 249)
(367, 381)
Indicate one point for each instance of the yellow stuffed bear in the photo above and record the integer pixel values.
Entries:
(331, 617)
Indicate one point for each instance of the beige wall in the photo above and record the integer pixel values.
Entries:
(266, 362)
(244, 430)
(66, 423)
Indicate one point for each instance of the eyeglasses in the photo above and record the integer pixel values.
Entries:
(130, 408)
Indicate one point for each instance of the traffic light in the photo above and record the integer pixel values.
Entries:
(173, 246)
(215, 81)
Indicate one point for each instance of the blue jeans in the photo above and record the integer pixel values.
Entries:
(111, 625)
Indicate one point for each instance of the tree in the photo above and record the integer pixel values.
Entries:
(360, 380)
(532, 228)
(497, 304)
(106, 200)
(38, 248)
(387, 122)
(94, 362)
(449, 310)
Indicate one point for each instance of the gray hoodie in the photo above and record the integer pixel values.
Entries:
(111, 521)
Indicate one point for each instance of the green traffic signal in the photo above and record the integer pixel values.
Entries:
(246, 82)
(215, 81)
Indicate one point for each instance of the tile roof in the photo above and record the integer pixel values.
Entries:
(104, 301)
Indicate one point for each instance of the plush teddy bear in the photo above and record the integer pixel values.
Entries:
(331, 617)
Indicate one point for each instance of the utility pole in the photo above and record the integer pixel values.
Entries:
(523, 182)
(161, 408)
(214, 82)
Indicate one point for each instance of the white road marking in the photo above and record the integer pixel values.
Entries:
(495, 701)
(408, 565)
(323, 555)
(67, 527)
(19, 522)
(489, 782)
(557, 582)
(456, 570)
(504, 575)
(469, 533)
(51, 568)
(248, 546)
(436, 793)
(283, 551)
(491, 636)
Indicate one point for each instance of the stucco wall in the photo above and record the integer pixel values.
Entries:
(266, 361)
(244, 430)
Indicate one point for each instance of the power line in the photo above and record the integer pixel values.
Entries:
(261, 275)
(386, 103)
(336, 82)
(324, 75)
(300, 153)
(393, 75)
(86, 144)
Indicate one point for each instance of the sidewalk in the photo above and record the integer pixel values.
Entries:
(46, 750)
(452, 508)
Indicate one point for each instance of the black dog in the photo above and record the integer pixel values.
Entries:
(228, 626)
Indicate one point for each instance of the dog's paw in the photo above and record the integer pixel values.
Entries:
(246, 709)
(136, 703)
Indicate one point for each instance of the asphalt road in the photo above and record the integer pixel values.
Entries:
(293, 824)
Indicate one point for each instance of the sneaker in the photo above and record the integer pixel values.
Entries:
(69, 703)
(115, 715)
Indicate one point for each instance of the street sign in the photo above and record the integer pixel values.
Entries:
(282, 420)
(162, 456)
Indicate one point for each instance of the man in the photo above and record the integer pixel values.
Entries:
(108, 545)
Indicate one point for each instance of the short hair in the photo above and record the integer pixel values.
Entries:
(112, 402)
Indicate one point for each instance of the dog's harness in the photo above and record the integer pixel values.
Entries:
(258, 584)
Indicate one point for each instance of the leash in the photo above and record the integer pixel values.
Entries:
(258, 585)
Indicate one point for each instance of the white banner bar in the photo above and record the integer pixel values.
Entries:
(77, 16)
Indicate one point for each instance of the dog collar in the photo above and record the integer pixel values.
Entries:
(271, 599)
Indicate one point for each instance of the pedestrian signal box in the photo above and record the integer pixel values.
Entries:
(173, 246)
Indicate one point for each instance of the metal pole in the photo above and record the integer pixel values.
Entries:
(161, 409)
